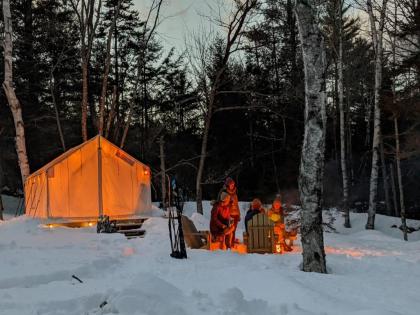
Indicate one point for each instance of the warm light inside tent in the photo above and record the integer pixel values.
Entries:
(116, 183)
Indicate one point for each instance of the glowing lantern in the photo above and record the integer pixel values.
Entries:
(146, 172)
(278, 248)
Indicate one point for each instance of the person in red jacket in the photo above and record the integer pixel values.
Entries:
(220, 223)
(230, 188)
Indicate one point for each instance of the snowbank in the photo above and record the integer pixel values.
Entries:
(371, 272)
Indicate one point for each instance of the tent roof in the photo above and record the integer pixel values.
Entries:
(72, 150)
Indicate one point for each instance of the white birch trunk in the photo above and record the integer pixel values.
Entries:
(10, 93)
(312, 160)
(342, 122)
(377, 37)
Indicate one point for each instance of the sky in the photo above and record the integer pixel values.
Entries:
(178, 18)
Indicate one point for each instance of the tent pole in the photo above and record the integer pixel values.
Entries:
(48, 195)
(100, 200)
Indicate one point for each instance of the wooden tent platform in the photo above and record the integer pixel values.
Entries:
(130, 227)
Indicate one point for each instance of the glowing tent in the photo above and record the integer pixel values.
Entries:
(89, 180)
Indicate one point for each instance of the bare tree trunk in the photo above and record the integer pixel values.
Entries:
(377, 36)
(10, 93)
(1, 189)
(141, 68)
(1, 207)
(251, 139)
(57, 115)
(203, 153)
(394, 190)
(106, 70)
(163, 171)
(312, 160)
(88, 17)
(111, 115)
(342, 121)
(385, 179)
(234, 28)
(397, 133)
(84, 98)
(273, 159)
(400, 185)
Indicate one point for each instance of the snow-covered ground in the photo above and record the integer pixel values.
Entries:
(371, 272)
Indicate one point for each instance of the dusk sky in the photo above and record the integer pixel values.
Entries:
(178, 16)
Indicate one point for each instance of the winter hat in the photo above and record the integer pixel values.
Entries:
(277, 199)
(256, 204)
(224, 195)
(229, 181)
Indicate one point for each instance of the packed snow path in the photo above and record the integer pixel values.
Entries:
(371, 272)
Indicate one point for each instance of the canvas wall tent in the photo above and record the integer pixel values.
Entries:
(91, 179)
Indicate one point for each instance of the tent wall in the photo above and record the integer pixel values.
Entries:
(69, 187)
(125, 183)
(36, 196)
(73, 184)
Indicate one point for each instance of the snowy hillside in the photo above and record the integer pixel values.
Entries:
(371, 272)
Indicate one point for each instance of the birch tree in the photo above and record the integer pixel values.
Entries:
(312, 159)
(377, 39)
(9, 91)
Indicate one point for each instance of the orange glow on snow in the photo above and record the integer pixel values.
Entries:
(128, 251)
(353, 252)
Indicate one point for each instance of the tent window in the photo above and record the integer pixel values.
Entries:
(124, 157)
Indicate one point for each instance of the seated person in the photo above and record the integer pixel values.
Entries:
(220, 223)
(255, 208)
(276, 215)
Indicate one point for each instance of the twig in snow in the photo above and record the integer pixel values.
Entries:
(77, 278)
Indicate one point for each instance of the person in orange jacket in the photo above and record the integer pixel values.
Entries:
(276, 215)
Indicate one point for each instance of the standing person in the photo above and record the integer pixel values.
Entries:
(276, 215)
(220, 222)
(229, 187)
